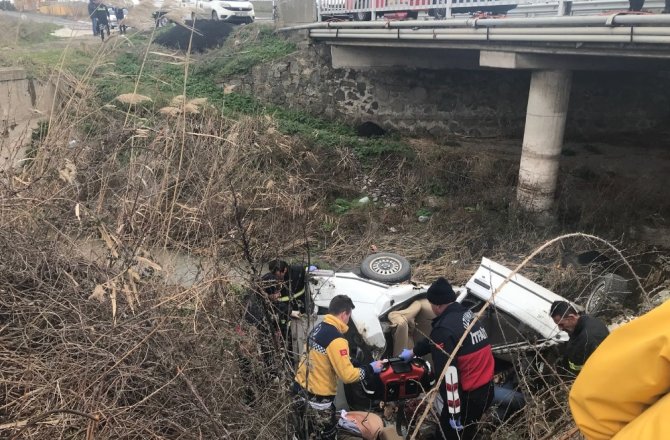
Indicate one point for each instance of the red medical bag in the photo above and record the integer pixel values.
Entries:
(400, 380)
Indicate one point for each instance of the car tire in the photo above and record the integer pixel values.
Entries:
(412, 15)
(215, 16)
(608, 294)
(439, 14)
(362, 16)
(386, 267)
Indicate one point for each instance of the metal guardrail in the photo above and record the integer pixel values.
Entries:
(365, 10)
(584, 7)
(651, 31)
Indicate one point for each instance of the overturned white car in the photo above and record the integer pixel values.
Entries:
(388, 309)
(519, 318)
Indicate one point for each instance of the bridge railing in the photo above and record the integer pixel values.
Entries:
(365, 10)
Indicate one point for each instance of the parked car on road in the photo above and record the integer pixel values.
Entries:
(229, 11)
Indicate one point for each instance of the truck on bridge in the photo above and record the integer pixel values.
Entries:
(366, 10)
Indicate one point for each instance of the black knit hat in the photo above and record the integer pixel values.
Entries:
(440, 292)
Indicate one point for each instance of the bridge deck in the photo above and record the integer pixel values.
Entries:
(620, 35)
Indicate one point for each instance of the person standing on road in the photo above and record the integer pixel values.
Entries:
(91, 13)
(586, 333)
(120, 15)
(102, 17)
(623, 390)
(326, 360)
(467, 390)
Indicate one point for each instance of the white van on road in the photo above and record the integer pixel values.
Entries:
(218, 10)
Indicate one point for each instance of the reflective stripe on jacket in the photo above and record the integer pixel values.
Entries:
(474, 359)
(589, 333)
(326, 359)
(622, 391)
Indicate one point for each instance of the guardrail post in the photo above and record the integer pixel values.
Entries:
(565, 7)
(318, 10)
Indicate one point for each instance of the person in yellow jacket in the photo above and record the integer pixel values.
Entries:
(622, 391)
(326, 360)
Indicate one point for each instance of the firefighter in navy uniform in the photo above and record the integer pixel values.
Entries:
(586, 333)
(291, 304)
(102, 17)
(623, 391)
(326, 360)
(467, 390)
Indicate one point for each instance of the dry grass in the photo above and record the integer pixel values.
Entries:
(112, 347)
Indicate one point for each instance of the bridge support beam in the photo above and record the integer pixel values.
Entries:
(543, 138)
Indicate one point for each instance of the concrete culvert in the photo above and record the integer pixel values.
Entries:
(207, 34)
(370, 129)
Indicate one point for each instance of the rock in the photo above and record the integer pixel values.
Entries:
(364, 200)
(433, 202)
(423, 218)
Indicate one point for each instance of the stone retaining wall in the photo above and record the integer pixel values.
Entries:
(470, 103)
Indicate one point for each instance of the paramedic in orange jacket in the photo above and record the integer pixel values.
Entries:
(622, 391)
(326, 360)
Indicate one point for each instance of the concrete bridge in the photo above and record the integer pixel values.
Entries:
(550, 47)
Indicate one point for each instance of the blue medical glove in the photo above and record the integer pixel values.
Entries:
(312, 268)
(406, 354)
(376, 366)
(456, 424)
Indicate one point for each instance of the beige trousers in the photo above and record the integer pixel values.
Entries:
(411, 324)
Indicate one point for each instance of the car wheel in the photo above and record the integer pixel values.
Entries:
(439, 14)
(609, 293)
(386, 267)
(362, 16)
(413, 15)
(215, 16)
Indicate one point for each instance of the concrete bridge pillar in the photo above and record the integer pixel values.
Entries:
(543, 138)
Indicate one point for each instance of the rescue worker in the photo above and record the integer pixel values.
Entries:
(120, 16)
(102, 17)
(259, 352)
(291, 304)
(292, 282)
(622, 391)
(467, 390)
(586, 333)
(326, 360)
(91, 13)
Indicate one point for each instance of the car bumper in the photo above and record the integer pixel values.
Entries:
(238, 16)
